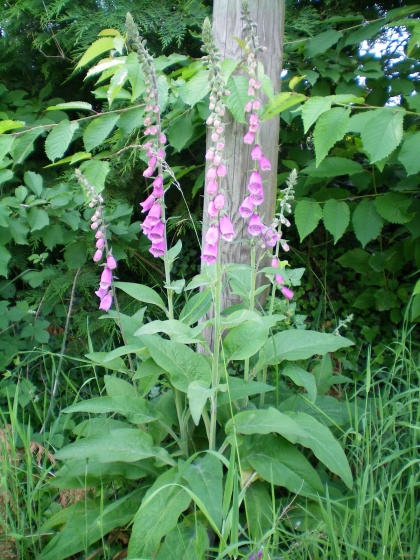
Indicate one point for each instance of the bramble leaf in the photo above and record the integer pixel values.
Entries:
(307, 217)
(367, 222)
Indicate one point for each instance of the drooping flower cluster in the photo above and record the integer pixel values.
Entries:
(153, 225)
(96, 201)
(220, 225)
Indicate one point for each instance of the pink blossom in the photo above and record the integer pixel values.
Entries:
(248, 107)
(226, 228)
(99, 234)
(152, 161)
(148, 203)
(221, 170)
(209, 121)
(214, 137)
(106, 302)
(153, 130)
(251, 91)
(287, 292)
(256, 152)
(162, 139)
(257, 196)
(253, 119)
(275, 262)
(212, 187)
(212, 211)
(146, 226)
(161, 153)
(157, 191)
(101, 292)
(148, 172)
(210, 154)
(147, 121)
(264, 164)
(220, 146)
(255, 182)
(100, 243)
(94, 225)
(219, 201)
(156, 234)
(270, 237)
(285, 247)
(255, 225)
(212, 235)
(279, 279)
(253, 128)
(249, 138)
(209, 255)
(158, 182)
(98, 255)
(246, 209)
(211, 174)
(217, 160)
(256, 104)
(106, 278)
(111, 263)
(158, 249)
(155, 214)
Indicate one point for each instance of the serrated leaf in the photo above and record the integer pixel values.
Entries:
(367, 222)
(117, 82)
(238, 97)
(394, 207)
(38, 218)
(98, 130)
(321, 42)
(24, 145)
(409, 154)
(329, 129)
(5, 257)
(382, 133)
(357, 259)
(104, 44)
(312, 109)
(336, 216)
(34, 182)
(10, 125)
(192, 91)
(5, 145)
(163, 91)
(281, 102)
(106, 64)
(181, 132)
(5, 175)
(78, 105)
(59, 138)
(307, 217)
(135, 75)
(333, 167)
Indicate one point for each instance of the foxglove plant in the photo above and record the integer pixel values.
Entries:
(96, 201)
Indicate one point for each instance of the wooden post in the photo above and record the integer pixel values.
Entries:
(227, 24)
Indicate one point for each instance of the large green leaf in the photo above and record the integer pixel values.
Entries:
(281, 102)
(322, 42)
(301, 378)
(135, 75)
(24, 145)
(38, 218)
(367, 222)
(86, 522)
(77, 105)
(95, 172)
(5, 257)
(181, 131)
(34, 181)
(195, 89)
(104, 44)
(329, 129)
(181, 362)
(238, 98)
(336, 216)
(312, 109)
(5, 145)
(189, 540)
(59, 138)
(135, 409)
(98, 130)
(297, 428)
(394, 207)
(409, 153)
(141, 293)
(333, 167)
(196, 307)
(357, 259)
(158, 514)
(127, 445)
(280, 463)
(176, 330)
(237, 388)
(204, 476)
(244, 340)
(298, 345)
(307, 216)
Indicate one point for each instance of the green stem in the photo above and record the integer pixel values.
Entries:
(215, 376)
(251, 303)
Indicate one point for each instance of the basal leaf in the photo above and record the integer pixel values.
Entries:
(59, 138)
(244, 340)
(394, 207)
(198, 393)
(238, 98)
(329, 129)
(336, 216)
(301, 378)
(307, 217)
(312, 109)
(141, 293)
(135, 409)
(409, 153)
(367, 222)
(382, 133)
(98, 130)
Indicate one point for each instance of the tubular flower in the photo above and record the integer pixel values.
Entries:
(226, 228)
(246, 209)
(158, 248)
(111, 263)
(148, 203)
(209, 255)
(212, 235)
(255, 225)
(287, 292)
(255, 182)
(106, 302)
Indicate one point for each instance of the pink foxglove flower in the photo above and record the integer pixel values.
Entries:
(209, 255)
(256, 152)
(249, 138)
(111, 263)
(257, 196)
(101, 292)
(219, 201)
(156, 234)
(212, 235)
(158, 182)
(158, 249)
(256, 104)
(212, 187)
(279, 279)
(106, 302)
(148, 172)
(212, 211)
(98, 255)
(246, 209)
(221, 170)
(155, 214)
(270, 237)
(255, 182)
(255, 225)
(248, 107)
(226, 228)
(152, 161)
(275, 262)
(106, 278)
(148, 203)
(211, 174)
(210, 154)
(264, 164)
(287, 292)
(217, 160)
(100, 244)
(253, 119)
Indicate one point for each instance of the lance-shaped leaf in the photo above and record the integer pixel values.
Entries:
(141, 293)
(98, 130)
(135, 409)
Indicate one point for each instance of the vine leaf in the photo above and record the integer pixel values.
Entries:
(336, 216)
(394, 207)
(59, 138)
(409, 153)
(367, 222)
(98, 130)
(329, 129)
(307, 216)
(381, 131)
